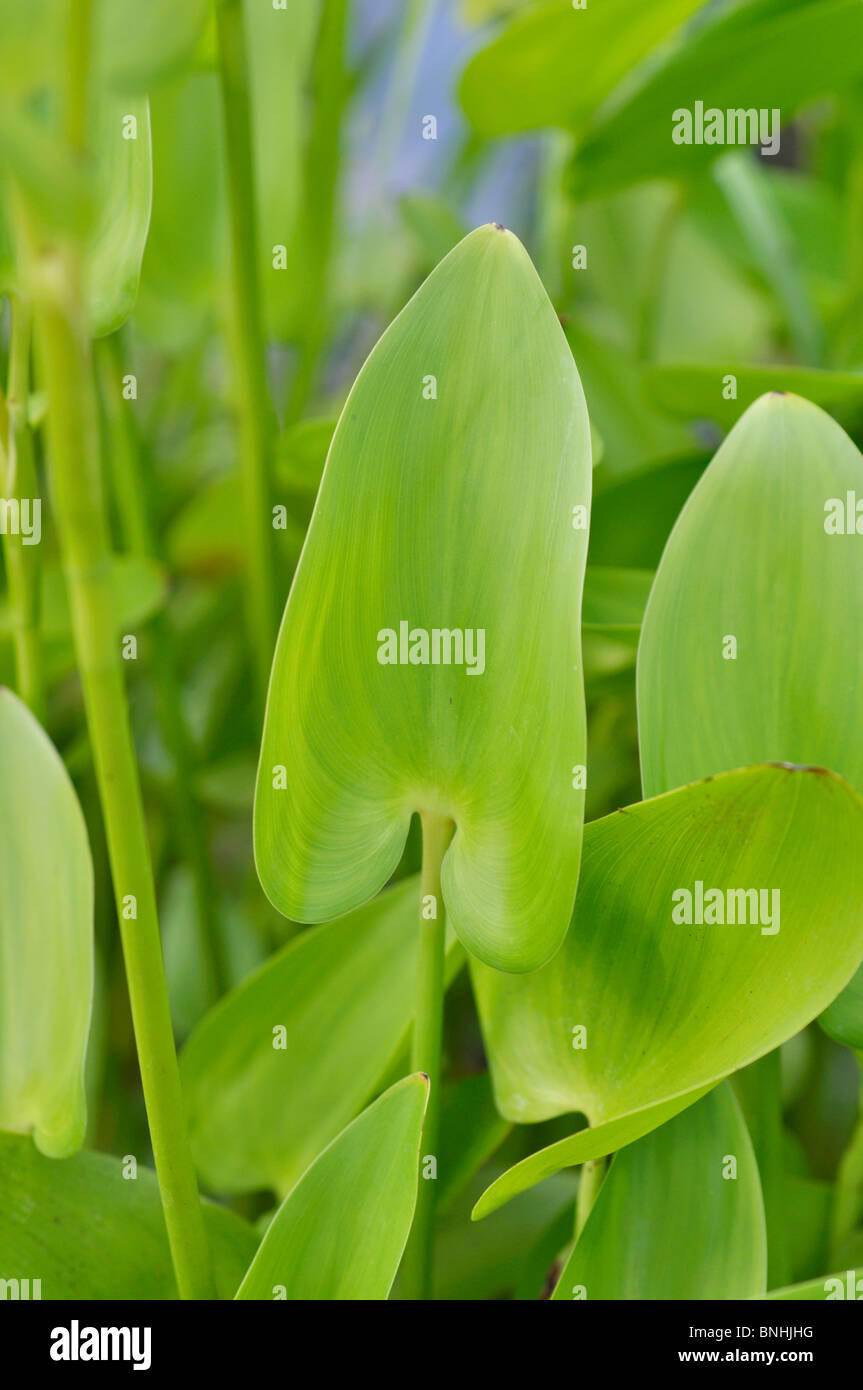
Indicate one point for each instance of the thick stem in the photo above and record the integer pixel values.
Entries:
(590, 1181)
(417, 1266)
(848, 1193)
(253, 403)
(22, 561)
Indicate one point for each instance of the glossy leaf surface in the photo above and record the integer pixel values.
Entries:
(669, 1008)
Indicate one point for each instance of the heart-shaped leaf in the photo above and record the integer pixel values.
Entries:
(46, 938)
(92, 1227)
(667, 1008)
(679, 1215)
(280, 1066)
(442, 570)
(340, 1233)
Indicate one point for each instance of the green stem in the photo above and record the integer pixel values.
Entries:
(321, 157)
(56, 272)
(139, 539)
(253, 402)
(590, 1181)
(848, 1193)
(22, 561)
(437, 831)
(82, 529)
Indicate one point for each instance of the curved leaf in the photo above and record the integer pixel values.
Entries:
(750, 558)
(260, 1112)
(46, 938)
(446, 513)
(696, 391)
(669, 1008)
(92, 1227)
(340, 1234)
(673, 1219)
(729, 572)
(553, 65)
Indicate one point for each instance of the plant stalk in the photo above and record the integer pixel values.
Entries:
(139, 539)
(417, 1266)
(590, 1181)
(62, 339)
(22, 561)
(253, 402)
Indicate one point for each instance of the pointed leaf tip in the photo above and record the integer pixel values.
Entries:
(441, 573)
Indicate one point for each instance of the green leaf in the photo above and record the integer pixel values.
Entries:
(258, 1114)
(340, 1233)
(671, 1220)
(46, 938)
(586, 1144)
(634, 433)
(91, 1227)
(789, 52)
(553, 65)
(696, 391)
(446, 513)
(115, 246)
(701, 1001)
(731, 570)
